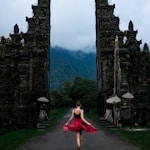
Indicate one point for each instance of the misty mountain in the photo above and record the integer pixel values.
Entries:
(67, 64)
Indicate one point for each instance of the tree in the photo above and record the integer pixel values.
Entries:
(86, 91)
(83, 89)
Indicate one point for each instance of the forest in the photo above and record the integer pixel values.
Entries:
(81, 89)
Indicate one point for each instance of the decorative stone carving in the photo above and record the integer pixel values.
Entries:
(25, 75)
(16, 29)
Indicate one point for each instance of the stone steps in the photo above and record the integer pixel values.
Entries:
(108, 124)
(43, 124)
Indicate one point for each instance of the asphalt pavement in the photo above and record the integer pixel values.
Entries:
(57, 139)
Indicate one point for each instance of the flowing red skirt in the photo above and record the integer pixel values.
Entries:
(79, 125)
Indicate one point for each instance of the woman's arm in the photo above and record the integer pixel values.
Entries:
(71, 117)
(83, 119)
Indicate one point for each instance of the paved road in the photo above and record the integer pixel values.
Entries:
(56, 139)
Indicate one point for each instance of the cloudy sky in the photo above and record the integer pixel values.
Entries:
(73, 21)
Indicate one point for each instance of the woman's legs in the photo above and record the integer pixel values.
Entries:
(79, 138)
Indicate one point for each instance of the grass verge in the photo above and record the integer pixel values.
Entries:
(140, 139)
(11, 139)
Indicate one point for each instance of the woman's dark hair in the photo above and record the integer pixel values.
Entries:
(78, 103)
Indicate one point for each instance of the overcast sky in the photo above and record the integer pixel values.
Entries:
(73, 21)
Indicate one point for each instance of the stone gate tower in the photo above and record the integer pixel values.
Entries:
(25, 68)
(37, 43)
(107, 27)
(133, 74)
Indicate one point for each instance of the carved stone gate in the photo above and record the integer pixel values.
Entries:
(25, 57)
(25, 69)
(134, 74)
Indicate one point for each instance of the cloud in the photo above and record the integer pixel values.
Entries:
(73, 21)
(138, 12)
(12, 12)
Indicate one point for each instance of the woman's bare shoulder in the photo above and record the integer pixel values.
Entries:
(82, 110)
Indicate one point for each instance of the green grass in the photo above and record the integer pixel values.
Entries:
(140, 139)
(12, 139)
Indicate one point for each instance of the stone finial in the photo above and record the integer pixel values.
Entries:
(16, 29)
(145, 48)
(130, 27)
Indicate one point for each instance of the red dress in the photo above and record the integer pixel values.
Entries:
(79, 125)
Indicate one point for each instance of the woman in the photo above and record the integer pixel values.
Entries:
(79, 124)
